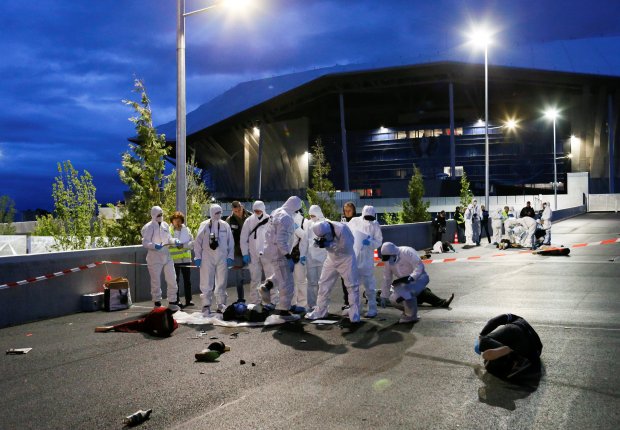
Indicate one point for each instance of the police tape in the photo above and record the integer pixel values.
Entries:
(50, 276)
(378, 263)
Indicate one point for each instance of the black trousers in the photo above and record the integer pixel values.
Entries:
(427, 296)
(182, 268)
(460, 232)
(484, 226)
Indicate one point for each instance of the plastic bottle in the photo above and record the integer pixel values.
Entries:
(137, 417)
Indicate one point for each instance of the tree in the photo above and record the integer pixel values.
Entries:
(415, 209)
(197, 196)
(74, 224)
(466, 194)
(7, 214)
(142, 171)
(322, 191)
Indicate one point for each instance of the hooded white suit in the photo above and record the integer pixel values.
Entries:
(546, 222)
(300, 297)
(369, 231)
(340, 262)
(253, 243)
(316, 257)
(214, 267)
(496, 224)
(407, 263)
(154, 234)
(527, 238)
(473, 215)
(279, 242)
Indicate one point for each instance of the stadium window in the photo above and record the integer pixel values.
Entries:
(401, 135)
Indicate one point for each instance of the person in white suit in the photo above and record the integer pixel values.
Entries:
(316, 257)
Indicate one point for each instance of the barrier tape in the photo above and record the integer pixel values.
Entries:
(378, 263)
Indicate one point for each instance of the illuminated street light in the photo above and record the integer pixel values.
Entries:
(552, 114)
(511, 124)
(181, 131)
(482, 38)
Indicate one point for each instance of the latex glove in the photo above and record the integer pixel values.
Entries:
(198, 262)
(477, 346)
(158, 246)
(246, 259)
(302, 260)
(291, 264)
(365, 242)
(383, 301)
(296, 226)
(178, 244)
(230, 262)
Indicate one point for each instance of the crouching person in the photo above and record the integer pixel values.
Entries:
(405, 267)
(509, 346)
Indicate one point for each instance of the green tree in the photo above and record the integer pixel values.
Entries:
(74, 223)
(322, 191)
(466, 194)
(197, 196)
(7, 215)
(142, 171)
(393, 218)
(415, 209)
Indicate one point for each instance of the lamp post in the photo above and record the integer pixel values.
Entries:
(482, 38)
(552, 114)
(181, 107)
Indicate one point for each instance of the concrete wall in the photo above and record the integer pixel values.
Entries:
(603, 202)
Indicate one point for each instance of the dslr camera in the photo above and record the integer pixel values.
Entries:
(213, 242)
(320, 242)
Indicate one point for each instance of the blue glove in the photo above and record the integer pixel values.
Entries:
(230, 262)
(246, 259)
(158, 246)
(178, 243)
(291, 264)
(365, 242)
(296, 226)
(477, 346)
(198, 261)
(383, 301)
(302, 260)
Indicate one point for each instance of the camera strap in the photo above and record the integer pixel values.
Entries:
(211, 228)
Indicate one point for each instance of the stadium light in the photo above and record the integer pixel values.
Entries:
(181, 132)
(481, 37)
(553, 114)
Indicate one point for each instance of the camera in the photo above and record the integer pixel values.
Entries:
(213, 242)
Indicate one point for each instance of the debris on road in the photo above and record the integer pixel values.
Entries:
(137, 417)
(18, 351)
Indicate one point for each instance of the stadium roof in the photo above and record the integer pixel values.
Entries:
(584, 56)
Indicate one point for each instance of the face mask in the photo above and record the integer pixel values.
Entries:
(369, 218)
(217, 216)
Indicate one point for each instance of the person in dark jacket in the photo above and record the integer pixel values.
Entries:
(236, 220)
(509, 346)
(527, 210)
(439, 227)
(460, 224)
(484, 224)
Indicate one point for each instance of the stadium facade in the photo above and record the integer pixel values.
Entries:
(377, 123)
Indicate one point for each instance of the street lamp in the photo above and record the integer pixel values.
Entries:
(181, 132)
(482, 38)
(552, 114)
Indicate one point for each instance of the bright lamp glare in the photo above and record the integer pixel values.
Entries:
(236, 4)
(511, 124)
(480, 37)
(551, 113)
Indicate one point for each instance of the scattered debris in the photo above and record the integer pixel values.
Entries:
(241, 361)
(303, 341)
(234, 335)
(16, 351)
(214, 337)
(219, 346)
(207, 355)
(137, 417)
(324, 322)
(253, 364)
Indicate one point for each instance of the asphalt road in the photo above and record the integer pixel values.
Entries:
(375, 375)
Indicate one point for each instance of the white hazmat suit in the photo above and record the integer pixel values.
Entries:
(156, 237)
(316, 256)
(300, 296)
(496, 225)
(214, 259)
(368, 237)
(547, 214)
(340, 262)
(252, 241)
(404, 264)
(279, 243)
(473, 215)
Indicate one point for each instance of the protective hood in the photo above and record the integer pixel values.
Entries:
(369, 211)
(292, 205)
(156, 210)
(213, 210)
(388, 248)
(321, 229)
(258, 205)
(316, 211)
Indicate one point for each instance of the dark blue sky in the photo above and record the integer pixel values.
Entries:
(66, 65)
